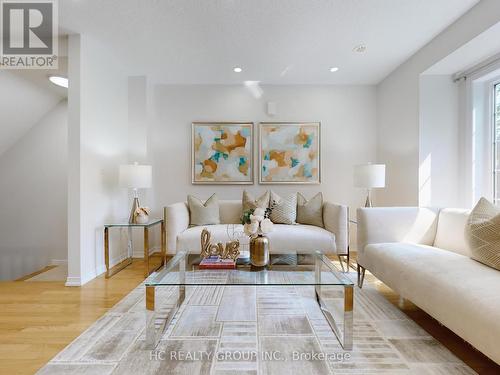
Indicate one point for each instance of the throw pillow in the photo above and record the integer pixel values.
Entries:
(203, 213)
(249, 202)
(284, 210)
(483, 233)
(310, 211)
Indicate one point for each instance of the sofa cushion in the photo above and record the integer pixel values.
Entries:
(203, 213)
(283, 209)
(456, 290)
(483, 233)
(230, 211)
(302, 239)
(310, 211)
(249, 202)
(450, 234)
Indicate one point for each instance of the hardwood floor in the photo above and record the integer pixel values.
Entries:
(38, 319)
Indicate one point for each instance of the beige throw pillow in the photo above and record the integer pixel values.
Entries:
(310, 211)
(249, 202)
(284, 210)
(483, 233)
(203, 213)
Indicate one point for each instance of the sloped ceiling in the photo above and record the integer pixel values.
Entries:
(25, 96)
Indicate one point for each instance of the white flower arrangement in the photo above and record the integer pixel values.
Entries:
(142, 211)
(141, 215)
(256, 222)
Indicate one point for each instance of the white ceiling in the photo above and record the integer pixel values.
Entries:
(477, 50)
(274, 41)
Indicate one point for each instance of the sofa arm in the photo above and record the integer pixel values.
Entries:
(177, 221)
(396, 224)
(336, 220)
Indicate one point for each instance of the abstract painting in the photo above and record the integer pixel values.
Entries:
(289, 153)
(222, 153)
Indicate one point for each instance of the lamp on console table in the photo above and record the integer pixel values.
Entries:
(135, 177)
(369, 176)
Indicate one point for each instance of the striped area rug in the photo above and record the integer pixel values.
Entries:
(256, 330)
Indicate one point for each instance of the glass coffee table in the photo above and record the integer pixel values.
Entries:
(314, 270)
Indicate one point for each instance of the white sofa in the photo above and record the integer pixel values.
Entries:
(422, 254)
(302, 239)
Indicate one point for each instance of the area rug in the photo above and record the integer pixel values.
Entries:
(256, 330)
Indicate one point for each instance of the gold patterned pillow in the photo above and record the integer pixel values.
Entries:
(483, 233)
(310, 211)
(249, 202)
(284, 209)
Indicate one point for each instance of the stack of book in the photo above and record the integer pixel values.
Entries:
(216, 263)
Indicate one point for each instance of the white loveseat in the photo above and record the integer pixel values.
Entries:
(302, 239)
(422, 254)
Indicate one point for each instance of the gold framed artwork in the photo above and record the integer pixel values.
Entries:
(289, 153)
(222, 153)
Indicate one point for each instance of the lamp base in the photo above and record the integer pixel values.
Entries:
(135, 205)
(368, 202)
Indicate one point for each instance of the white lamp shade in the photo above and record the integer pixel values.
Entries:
(369, 176)
(136, 176)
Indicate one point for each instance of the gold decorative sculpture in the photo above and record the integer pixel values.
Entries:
(230, 251)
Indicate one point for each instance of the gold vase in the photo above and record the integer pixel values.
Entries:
(259, 251)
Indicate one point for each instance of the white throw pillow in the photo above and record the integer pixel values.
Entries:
(483, 233)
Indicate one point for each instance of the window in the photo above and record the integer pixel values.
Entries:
(481, 141)
(496, 144)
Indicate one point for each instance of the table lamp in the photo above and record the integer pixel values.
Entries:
(135, 177)
(369, 176)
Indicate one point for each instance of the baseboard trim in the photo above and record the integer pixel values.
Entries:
(140, 254)
(99, 270)
(79, 281)
(136, 255)
(73, 281)
(113, 262)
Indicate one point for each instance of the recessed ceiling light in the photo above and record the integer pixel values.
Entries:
(333, 69)
(59, 81)
(361, 48)
(237, 69)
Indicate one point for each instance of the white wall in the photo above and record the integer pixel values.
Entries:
(22, 104)
(348, 131)
(98, 140)
(33, 223)
(439, 156)
(398, 105)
